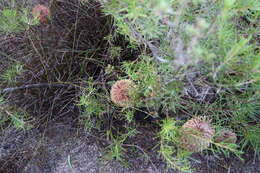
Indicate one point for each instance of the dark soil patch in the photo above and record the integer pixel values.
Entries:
(208, 163)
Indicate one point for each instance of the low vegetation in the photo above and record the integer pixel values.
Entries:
(187, 69)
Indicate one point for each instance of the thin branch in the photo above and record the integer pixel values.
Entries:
(30, 86)
(154, 49)
(155, 52)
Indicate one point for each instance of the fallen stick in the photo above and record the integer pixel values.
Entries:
(30, 86)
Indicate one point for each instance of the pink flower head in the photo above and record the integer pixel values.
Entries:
(196, 134)
(120, 92)
(41, 12)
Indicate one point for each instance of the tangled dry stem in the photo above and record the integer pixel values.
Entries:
(55, 53)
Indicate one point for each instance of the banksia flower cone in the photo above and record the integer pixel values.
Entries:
(196, 134)
(226, 136)
(41, 12)
(120, 93)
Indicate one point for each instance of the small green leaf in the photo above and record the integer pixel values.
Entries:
(9, 13)
(229, 3)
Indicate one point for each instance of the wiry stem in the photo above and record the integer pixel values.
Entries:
(30, 86)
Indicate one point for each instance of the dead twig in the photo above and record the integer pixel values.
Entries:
(30, 86)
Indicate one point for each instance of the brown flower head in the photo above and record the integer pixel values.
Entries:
(41, 12)
(226, 136)
(120, 93)
(196, 134)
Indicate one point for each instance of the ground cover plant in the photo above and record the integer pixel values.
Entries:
(164, 80)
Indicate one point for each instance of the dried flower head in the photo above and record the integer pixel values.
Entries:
(120, 92)
(196, 134)
(226, 136)
(41, 12)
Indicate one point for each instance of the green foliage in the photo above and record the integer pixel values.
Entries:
(246, 119)
(116, 149)
(174, 156)
(92, 106)
(144, 73)
(142, 16)
(129, 115)
(169, 130)
(12, 20)
(9, 76)
(115, 52)
(180, 161)
(13, 116)
(250, 135)
(18, 120)
(194, 34)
